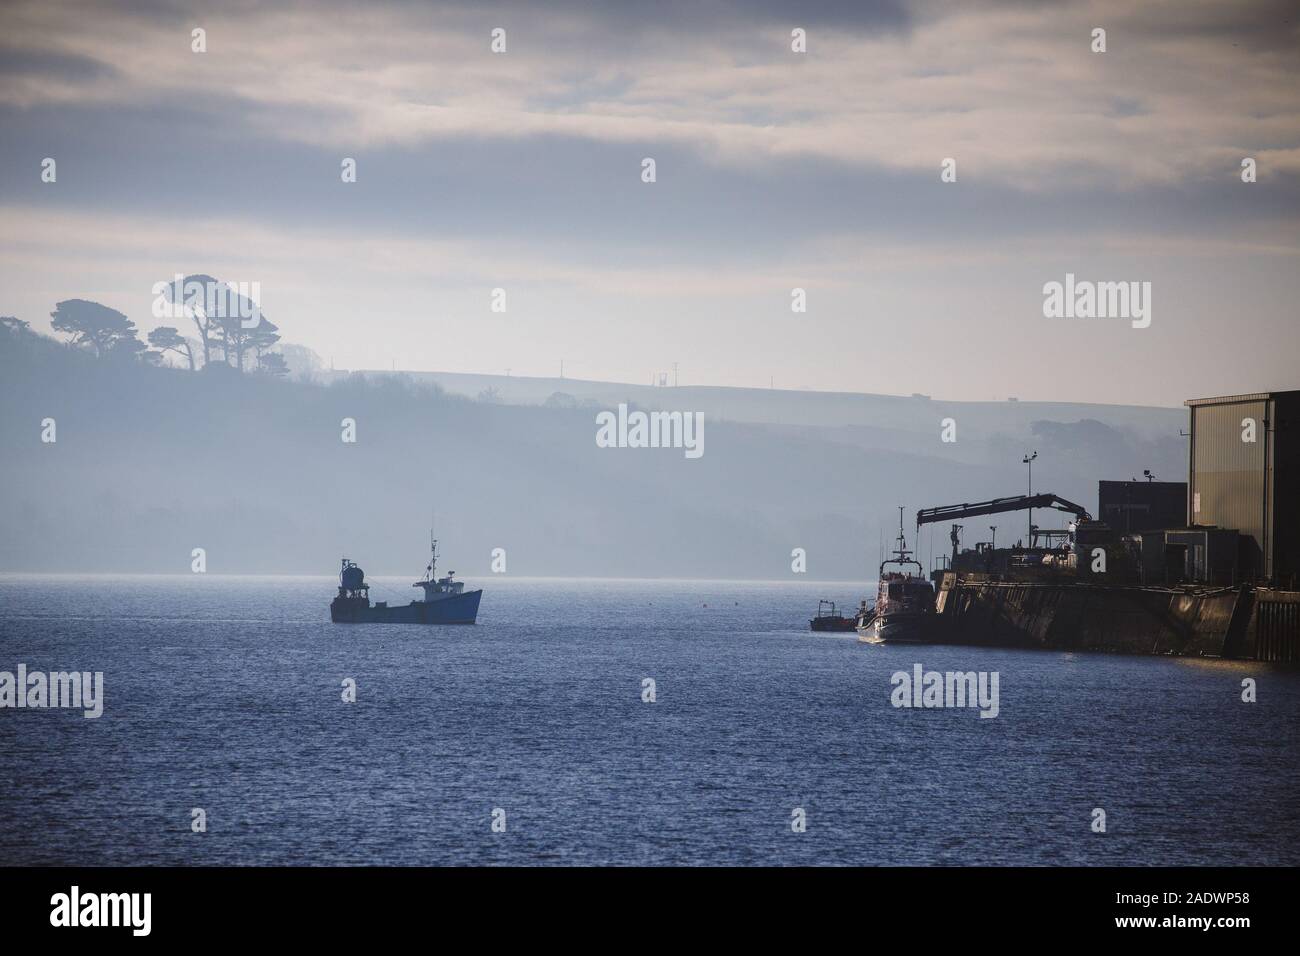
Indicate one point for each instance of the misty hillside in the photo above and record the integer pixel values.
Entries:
(918, 414)
(152, 462)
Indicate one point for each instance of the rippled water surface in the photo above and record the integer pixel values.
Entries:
(225, 694)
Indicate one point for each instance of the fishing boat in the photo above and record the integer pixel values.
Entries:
(445, 599)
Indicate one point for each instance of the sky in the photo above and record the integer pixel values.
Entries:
(774, 170)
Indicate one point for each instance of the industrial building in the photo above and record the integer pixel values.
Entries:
(1171, 556)
(1244, 475)
(1129, 506)
(1209, 567)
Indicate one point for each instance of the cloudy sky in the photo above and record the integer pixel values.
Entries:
(775, 170)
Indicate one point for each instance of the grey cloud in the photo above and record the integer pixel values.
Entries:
(173, 164)
(58, 66)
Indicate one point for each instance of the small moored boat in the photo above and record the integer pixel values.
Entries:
(828, 619)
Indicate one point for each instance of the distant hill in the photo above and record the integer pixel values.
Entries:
(791, 407)
(151, 463)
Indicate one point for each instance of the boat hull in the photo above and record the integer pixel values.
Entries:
(833, 623)
(907, 627)
(457, 609)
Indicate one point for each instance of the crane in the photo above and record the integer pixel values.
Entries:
(999, 505)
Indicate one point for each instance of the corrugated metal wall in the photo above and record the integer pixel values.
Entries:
(1227, 474)
(1277, 629)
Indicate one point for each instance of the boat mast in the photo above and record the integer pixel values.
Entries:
(901, 554)
(902, 542)
(431, 572)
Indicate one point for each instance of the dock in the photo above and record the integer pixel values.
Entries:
(1245, 623)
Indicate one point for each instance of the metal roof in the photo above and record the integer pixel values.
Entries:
(1232, 399)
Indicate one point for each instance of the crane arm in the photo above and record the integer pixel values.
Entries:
(999, 505)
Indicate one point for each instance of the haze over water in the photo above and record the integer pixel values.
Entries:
(225, 694)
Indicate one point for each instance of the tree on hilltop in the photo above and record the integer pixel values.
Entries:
(261, 340)
(272, 363)
(166, 339)
(107, 331)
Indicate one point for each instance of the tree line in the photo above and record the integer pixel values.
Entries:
(222, 338)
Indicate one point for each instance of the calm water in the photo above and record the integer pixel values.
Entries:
(225, 694)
